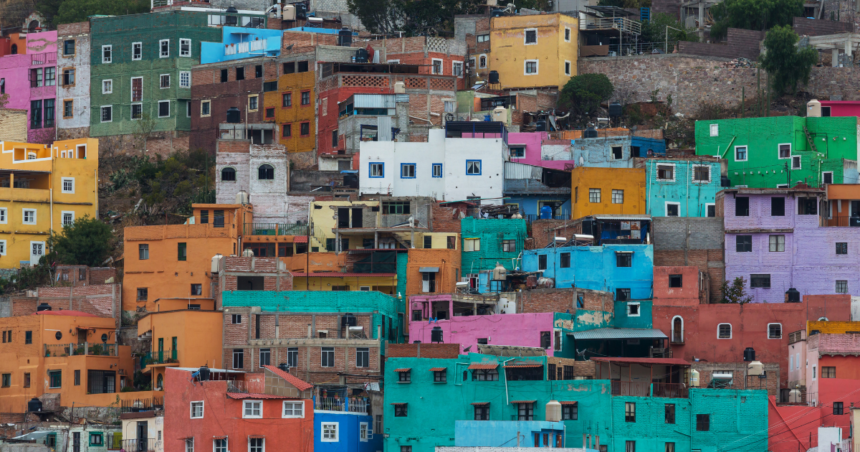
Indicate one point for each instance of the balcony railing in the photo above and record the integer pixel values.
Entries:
(351, 405)
(246, 387)
(141, 405)
(87, 348)
(140, 445)
(275, 229)
(160, 357)
(611, 23)
(671, 390)
(531, 218)
(643, 389)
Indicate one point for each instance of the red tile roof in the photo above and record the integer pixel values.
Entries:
(300, 239)
(523, 401)
(438, 369)
(242, 395)
(568, 402)
(300, 384)
(405, 369)
(65, 312)
(483, 366)
(661, 361)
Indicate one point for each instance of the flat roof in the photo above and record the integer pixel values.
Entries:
(619, 333)
(660, 361)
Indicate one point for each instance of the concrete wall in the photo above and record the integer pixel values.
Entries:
(491, 233)
(692, 241)
(597, 152)
(269, 197)
(77, 125)
(523, 330)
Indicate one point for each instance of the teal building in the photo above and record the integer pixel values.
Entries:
(682, 187)
(487, 241)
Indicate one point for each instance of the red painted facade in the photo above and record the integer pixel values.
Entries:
(842, 107)
(794, 427)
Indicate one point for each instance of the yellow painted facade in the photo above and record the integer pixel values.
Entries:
(43, 187)
(385, 283)
(512, 47)
(595, 191)
(827, 327)
(290, 113)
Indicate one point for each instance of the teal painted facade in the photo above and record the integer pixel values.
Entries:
(504, 433)
(241, 42)
(687, 191)
(642, 318)
(762, 166)
(492, 233)
(738, 418)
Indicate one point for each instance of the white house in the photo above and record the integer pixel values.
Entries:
(449, 169)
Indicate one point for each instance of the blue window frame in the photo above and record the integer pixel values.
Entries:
(437, 170)
(376, 170)
(407, 171)
(473, 167)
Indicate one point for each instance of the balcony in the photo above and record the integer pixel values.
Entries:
(160, 357)
(141, 405)
(246, 387)
(275, 229)
(644, 389)
(25, 194)
(140, 445)
(622, 24)
(344, 405)
(86, 348)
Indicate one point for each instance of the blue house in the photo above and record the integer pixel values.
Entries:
(505, 434)
(342, 430)
(624, 269)
(530, 188)
(240, 42)
(614, 151)
(682, 187)
(647, 147)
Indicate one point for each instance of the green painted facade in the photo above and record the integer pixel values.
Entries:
(738, 419)
(492, 232)
(834, 140)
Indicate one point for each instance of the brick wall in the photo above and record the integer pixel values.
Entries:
(691, 242)
(814, 27)
(102, 300)
(739, 43)
(738, 370)
(444, 351)
(13, 125)
(562, 300)
(543, 232)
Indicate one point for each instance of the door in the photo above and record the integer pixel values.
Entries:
(173, 346)
(37, 250)
(142, 440)
(160, 350)
(342, 218)
(76, 442)
(357, 220)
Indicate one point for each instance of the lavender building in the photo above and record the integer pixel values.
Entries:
(776, 240)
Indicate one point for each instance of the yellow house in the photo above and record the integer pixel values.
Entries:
(42, 188)
(607, 191)
(535, 50)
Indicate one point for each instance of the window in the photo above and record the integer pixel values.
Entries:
(293, 357)
(35, 120)
(185, 47)
(715, 130)
(55, 379)
(28, 337)
(220, 445)
(252, 409)
(673, 209)
(795, 162)
(457, 68)
(362, 357)
(377, 170)
(482, 62)
(68, 218)
(197, 289)
(471, 245)
(593, 195)
(253, 102)
(828, 372)
(740, 153)
(617, 152)
(29, 216)
(407, 171)
(287, 130)
(68, 77)
(564, 260)
(136, 111)
(666, 172)
(255, 444)
(306, 97)
(270, 113)
(676, 281)
(629, 412)
(777, 206)
(3, 219)
(436, 67)
(7, 380)
(404, 375)
(542, 262)
(302, 66)
(617, 196)
(68, 47)
(669, 413)
(36, 78)
(670, 447)
(400, 410)
(68, 184)
(136, 89)
(240, 73)
(743, 244)
(294, 410)
(437, 170)
(164, 48)
(287, 100)
(760, 281)
(266, 172)
(841, 247)
(570, 411)
(136, 51)
(566, 67)
(395, 208)
(289, 68)
(327, 356)
(205, 108)
(703, 422)
(224, 75)
(440, 376)
(142, 294)
(26, 379)
(701, 173)
(837, 406)
(622, 295)
(482, 412)
(329, 432)
(107, 54)
(531, 67)
(724, 331)
(509, 246)
(50, 76)
(774, 331)
(265, 357)
(784, 150)
(228, 175)
(807, 206)
(107, 86)
(363, 432)
(236, 319)
(623, 259)
(483, 38)
(238, 358)
(777, 243)
(531, 36)
(164, 109)
(97, 439)
(630, 446)
(473, 167)
(184, 79)
(633, 309)
(525, 411)
(305, 129)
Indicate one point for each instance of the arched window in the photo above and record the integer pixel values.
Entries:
(160, 383)
(14, 49)
(228, 174)
(724, 331)
(31, 156)
(677, 330)
(266, 172)
(34, 24)
(822, 319)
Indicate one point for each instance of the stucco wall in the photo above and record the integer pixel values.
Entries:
(692, 197)
(79, 93)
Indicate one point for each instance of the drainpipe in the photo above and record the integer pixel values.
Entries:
(507, 399)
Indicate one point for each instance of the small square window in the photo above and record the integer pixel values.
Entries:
(703, 422)
(164, 48)
(437, 170)
(306, 98)
(197, 410)
(715, 130)
(185, 47)
(377, 170)
(841, 247)
(142, 294)
(473, 167)
(617, 196)
(673, 209)
(107, 113)
(760, 281)
(164, 109)
(107, 86)
(531, 67)
(743, 244)
(531, 36)
(205, 108)
(676, 281)
(623, 259)
(252, 409)
(796, 162)
(774, 331)
(518, 151)
(68, 185)
(407, 171)
(776, 243)
(724, 331)
(841, 286)
(666, 172)
(107, 54)
(594, 195)
(633, 310)
(740, 153)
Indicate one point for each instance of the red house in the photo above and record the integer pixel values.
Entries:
(840, 108)
(236, 411)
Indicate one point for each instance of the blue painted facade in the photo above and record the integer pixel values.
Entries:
(596, 268)
(691, 197)
(349, 426)
(239, 43)
(648, 146)
(530, 204)
(504, 434)
(598, 152)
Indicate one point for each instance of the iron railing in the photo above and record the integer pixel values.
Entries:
(644, 389)
(87, 348)
(246, 387)
(275, 229)
(140, 445)
(159, 357)
(141, 405)
(351, 405)
(611, 23)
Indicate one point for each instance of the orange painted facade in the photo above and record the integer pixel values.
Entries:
(290, 113)
(843, 202)
(173, 261)
(444, 281)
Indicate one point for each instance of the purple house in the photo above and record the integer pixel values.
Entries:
(775, 240)
(30, 81)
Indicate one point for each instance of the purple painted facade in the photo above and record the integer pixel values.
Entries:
(31, 81)
(541, 151)
(792, 250)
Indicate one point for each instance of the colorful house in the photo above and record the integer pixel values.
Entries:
(681, 187)
(782, 151)
(608, 191)
(48, 187)
(29, 78)
(340, 429)
(487, 242)
(528, 189)
(73, 80)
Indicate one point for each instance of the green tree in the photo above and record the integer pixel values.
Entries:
(585, 92)
(654, 30)
(84, 242)
(70, 11)
(785, 63)
(417, 17)
(735, 292)
(753, 15)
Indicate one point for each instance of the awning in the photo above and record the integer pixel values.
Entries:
(219, 437)
(480, 403)
(398, 404)
(483, 366)
(508, 366)
(619, 333)
(523, 401)
(300, 239)
(407, 369)
(256, 436)
(568, 402)
(428, 270)
(438, 369)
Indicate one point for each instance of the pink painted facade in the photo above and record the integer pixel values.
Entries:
(841, 107)
(30, 80)
(540, 150)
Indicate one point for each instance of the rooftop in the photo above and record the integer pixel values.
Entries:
(300, 384)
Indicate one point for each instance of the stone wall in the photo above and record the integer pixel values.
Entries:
(814, 27)
(739, 43)
(13, 125)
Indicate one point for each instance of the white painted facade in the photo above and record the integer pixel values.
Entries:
(77, 93)
(455, 156)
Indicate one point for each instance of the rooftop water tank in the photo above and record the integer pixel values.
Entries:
(813, 109)
(284, 366)
(34, 405)
(749, 354)
(242, 197)
(494, 77)
(540, 126)
(795, 396)
(590, 132)
(553, 411)
(204, 373)
(348, 320)
(546, 213)
(792, 295)
(289, 12)
(500, 114)
(694, 378)
(436, 335)
(248, 253)
(43, 307)
(231, 19)
(755, 369)
(615, 109)
(500, 273)
(233, 115)
(362, 56)
(344, 37)
(399, 88)
(216, 263)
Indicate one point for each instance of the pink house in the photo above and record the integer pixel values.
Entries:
(840, 108)
(30, 81)
(537, 149)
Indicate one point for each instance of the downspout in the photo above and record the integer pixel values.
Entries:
(723, 155)
(507, 399)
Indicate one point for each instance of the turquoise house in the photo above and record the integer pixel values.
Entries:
(241, 42)
(487, 241)
(508, 434)
(682, 187)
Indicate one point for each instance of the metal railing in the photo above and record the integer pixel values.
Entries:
(611, 23)
(159, 357)
(246, 387)
(141, 405)
(87, 348)
(531, 218)
(140, 445)
(671, 390)
(275, 229)
(351, 405)
(644, 389)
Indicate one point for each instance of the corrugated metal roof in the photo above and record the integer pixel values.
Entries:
(662, 361)
(374, 101)
(477, 366)
(428, 270)
(515, 170)
(619, 333)
(623, 217)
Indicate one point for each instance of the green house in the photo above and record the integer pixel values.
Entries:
(782, 151)
(487, 241)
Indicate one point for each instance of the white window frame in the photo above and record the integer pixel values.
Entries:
(2, 247)
(188, 73)
(393, 62)
(731, 331)
(226, 444)
(159, 108)
(638, 310)
(63, 185)
(253, 438)
(525, 36)
(433, 66)
(657, 172)
(363, 432)
(63, 217)
(693, 175)
(24, 216)
(110, 49)
(101, 113)
(746, 152)
(780, 331)
(132, 51)
(673, 328)
(160, 54)
(78, 148)
(110, 84)
(715, 130)
(191, 407)
(799, 163)
(525, 67)
(483, 55)
(462, 68)
(777, 151)
(139, 104)
(159, 81)
(207, 102)
(131, 89)
(666, 207)
(826, 172)
(301, 403)
(567, 33)
(336, 438)
(181, 40)
(567, 67)
(4, 215)
(250, 404)
(614, 192)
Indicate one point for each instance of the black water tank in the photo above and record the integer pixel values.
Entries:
(348, 320)
(344, 37)
(204, 373)
(301, 10)
(362, 56)
(615, 109)
(416, 342)
(494, 77)
(34, 405)
(233, 115)
(590, 132)
(540, 126)
(436, 335)
(792, 295)
(232, 19)
(284, 366)
(43, 307)
(749, 354)
(724, 181)
(350, 180)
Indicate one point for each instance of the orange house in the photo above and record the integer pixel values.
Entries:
(431, 270)
(294, 104)
(70, 353)
(171, 261)
(843, 204)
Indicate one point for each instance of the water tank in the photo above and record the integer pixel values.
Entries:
(590, 132)
(248, 253)
(794, 396)
(231, 19)
(289, 12)
(792, 295)
(494, 77)
(546, 213)
(615, 109)
(34, 405)
(301, 11)
(500, 273)
(233, 115)
(43, 307)
(416, 342)
(694, 378)
(540, 126)
(242, 197)
(755, 369)
(204, 373)
(216, 263)
(284, 366)
(749, 354)
(553, 411)
(813, 109)
(399, 88)
(362, 56)
(436, 335)
(348, 320)
(500, 114)
(344, 37)
(725, 182)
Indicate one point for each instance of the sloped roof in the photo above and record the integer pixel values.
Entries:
(300, 384)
